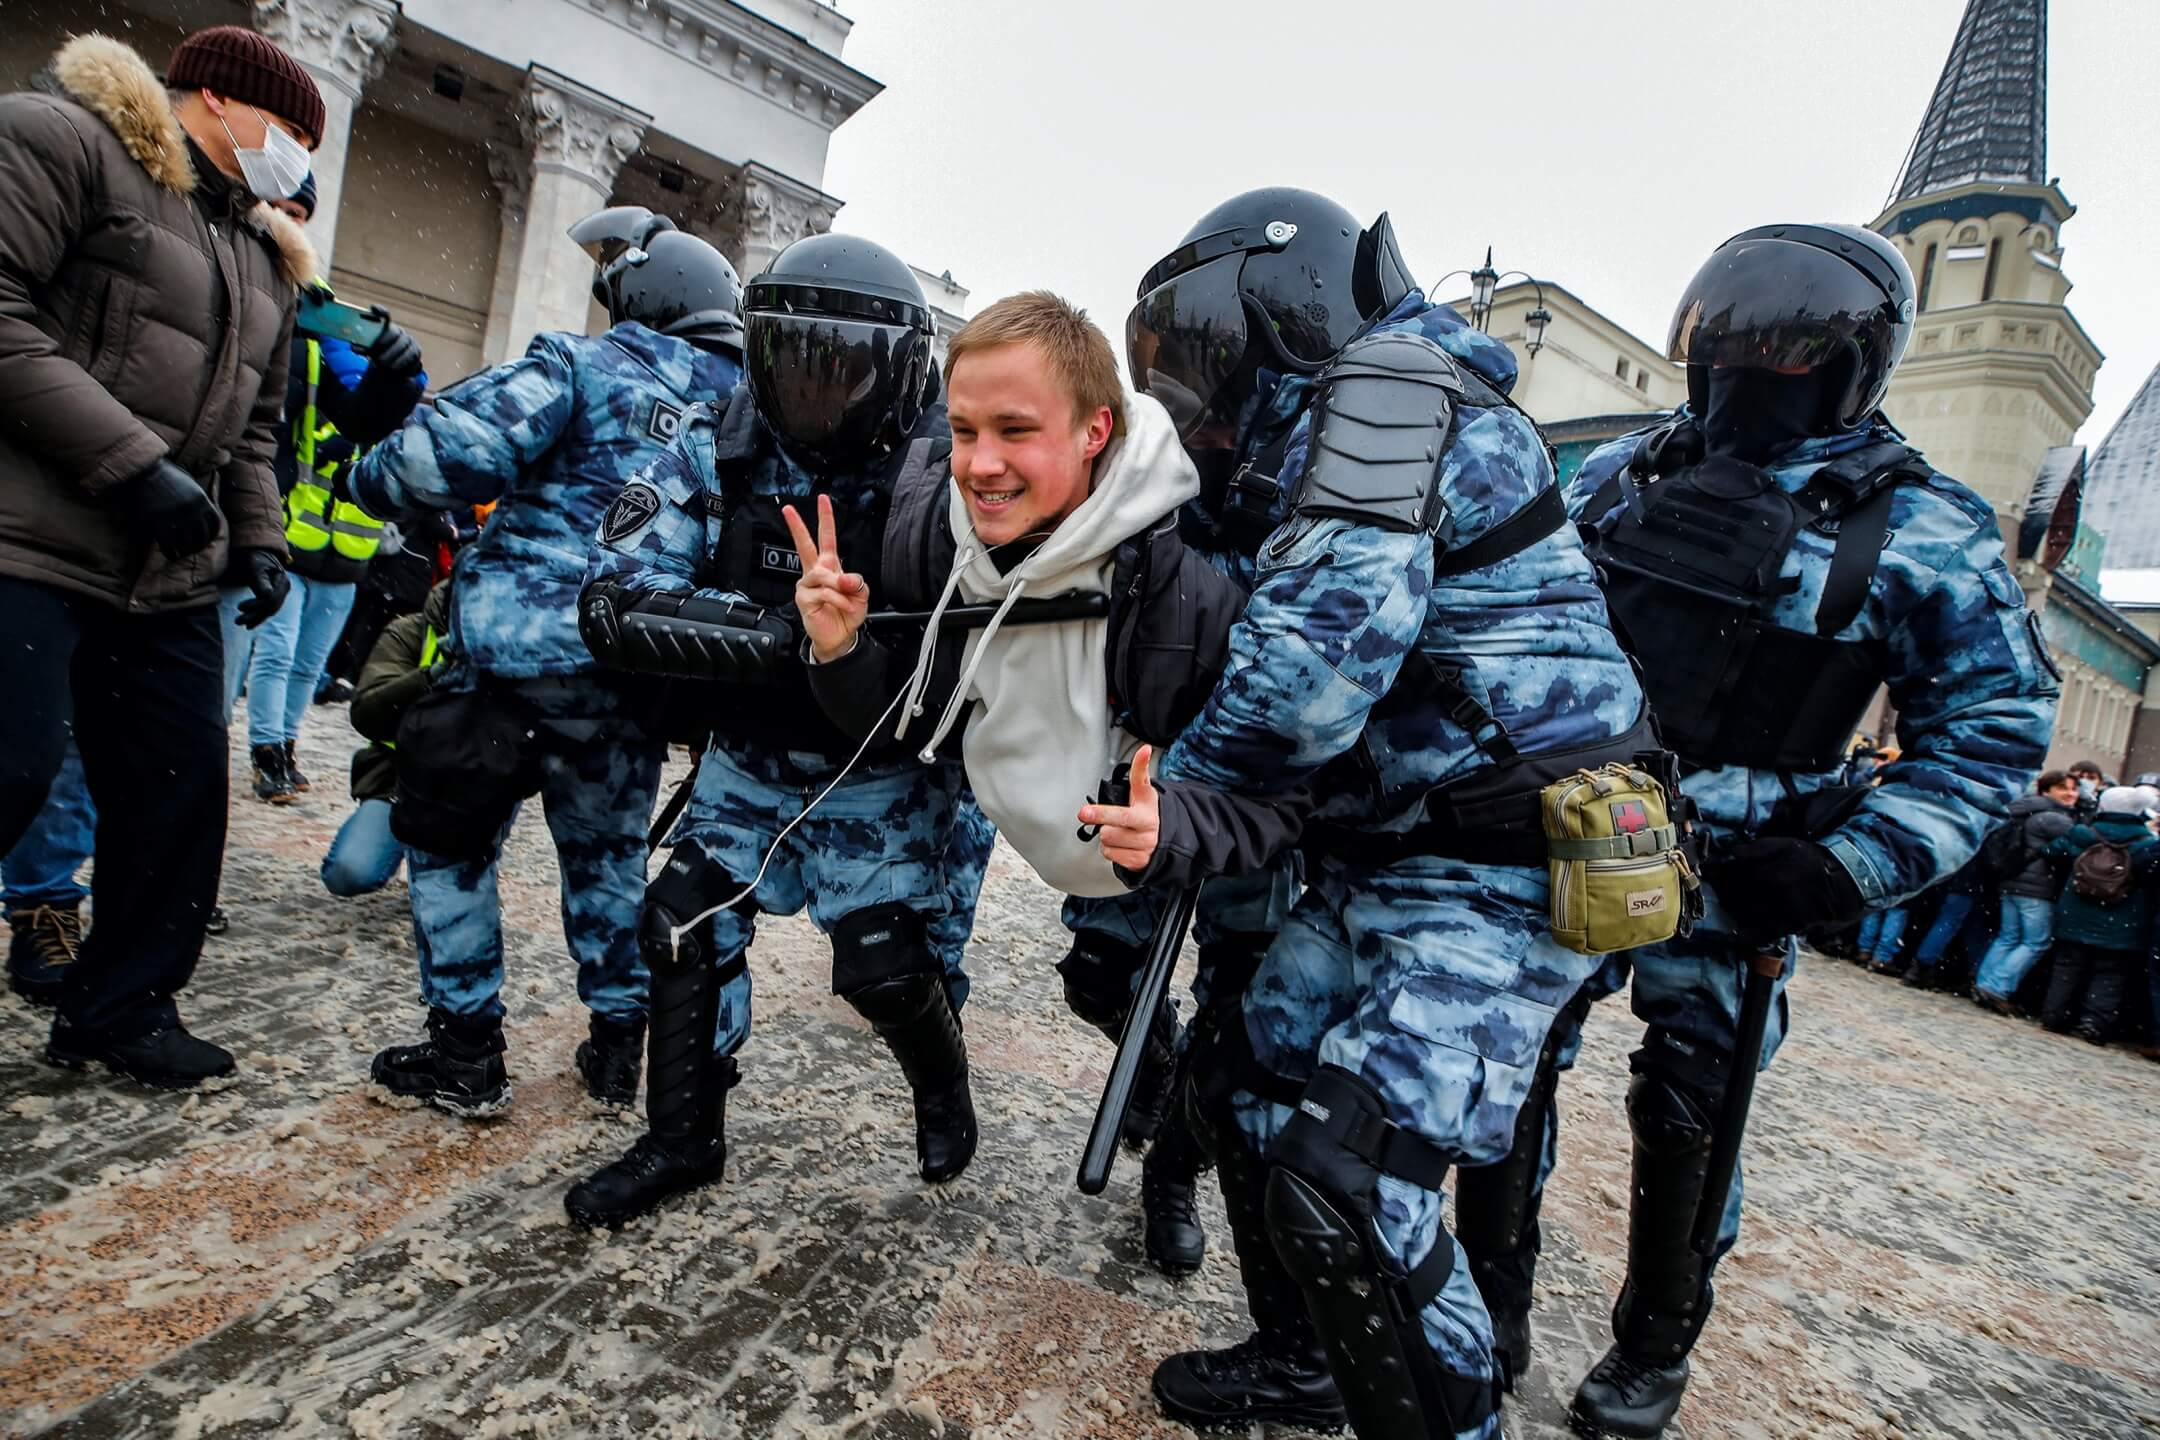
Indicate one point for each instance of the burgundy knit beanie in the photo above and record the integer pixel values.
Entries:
(239, 64)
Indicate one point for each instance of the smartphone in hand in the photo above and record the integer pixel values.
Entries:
(324, 316)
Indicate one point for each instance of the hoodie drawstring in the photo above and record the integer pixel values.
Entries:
(911, 706)
(958, 702)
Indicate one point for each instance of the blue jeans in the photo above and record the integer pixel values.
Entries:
(289, 650)
(2028, 925)
(365, 855)
(1957, 909)
(1880, 933)
(41, 869)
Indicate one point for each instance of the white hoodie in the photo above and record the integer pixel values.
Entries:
(1041, 740)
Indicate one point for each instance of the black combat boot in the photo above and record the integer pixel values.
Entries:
(933, 1055)
(271, 781)
(611, 1058)
(292, 768)
(686, 1087)
(1635, 1390)
(458, 1068)
(44, 942)
(1280, 1374)
(1175, 1242)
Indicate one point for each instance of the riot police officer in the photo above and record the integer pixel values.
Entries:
(693, 576)
(519, 705)
(1424, 621)
(1775, 552)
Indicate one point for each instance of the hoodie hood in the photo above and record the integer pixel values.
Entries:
(118, 86)
(1040, 740)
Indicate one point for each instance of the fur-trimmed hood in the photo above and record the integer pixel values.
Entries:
(112, 82)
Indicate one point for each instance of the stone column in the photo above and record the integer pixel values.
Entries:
(511, 169)
(772, 212)
(577, 140)
(343, 44)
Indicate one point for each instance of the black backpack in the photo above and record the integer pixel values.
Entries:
(2004, 852)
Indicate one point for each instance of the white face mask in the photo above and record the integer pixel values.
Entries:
(276, 170)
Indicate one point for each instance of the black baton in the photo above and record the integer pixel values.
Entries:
(1764, 968)
(1172, 920)
(1055, 610)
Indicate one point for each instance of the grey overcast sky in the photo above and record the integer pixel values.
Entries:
(1606, 145)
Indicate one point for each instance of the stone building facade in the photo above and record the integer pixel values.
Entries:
(466, 135)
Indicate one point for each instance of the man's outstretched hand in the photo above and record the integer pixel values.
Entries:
(1129, 831)
(833, 603)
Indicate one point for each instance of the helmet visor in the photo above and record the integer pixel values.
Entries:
(605, 234)
(823, 383)
(1776, 304)
(1186, 339)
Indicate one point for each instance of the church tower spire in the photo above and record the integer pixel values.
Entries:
(1988, 117)
(1999, 371)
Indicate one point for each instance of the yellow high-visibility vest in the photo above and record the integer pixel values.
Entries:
(314, 517)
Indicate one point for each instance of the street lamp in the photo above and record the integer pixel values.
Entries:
(1485, 284)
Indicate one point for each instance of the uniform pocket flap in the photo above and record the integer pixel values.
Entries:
(1467, 1015)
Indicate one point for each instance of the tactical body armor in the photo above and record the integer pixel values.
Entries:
(1693, 547)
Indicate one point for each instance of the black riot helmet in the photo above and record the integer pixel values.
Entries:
(663, 279)
(1276, 279)
(838, 349)
(1836, 299)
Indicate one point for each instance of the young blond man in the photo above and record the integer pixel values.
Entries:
(1063, 483)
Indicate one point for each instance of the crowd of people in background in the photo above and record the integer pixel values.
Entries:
(2052, 920)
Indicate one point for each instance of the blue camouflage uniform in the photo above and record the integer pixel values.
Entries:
(1974, 691)
(551, 438)
(1434, 980)
(895, 832)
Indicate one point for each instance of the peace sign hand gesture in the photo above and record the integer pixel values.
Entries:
(833, 603)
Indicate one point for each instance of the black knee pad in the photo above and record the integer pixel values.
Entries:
(1099, 974)
(1322, 1202)
(1676, 1093)
(689, 884)
(883, 965)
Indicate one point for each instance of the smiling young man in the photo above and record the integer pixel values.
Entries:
(1062, 483)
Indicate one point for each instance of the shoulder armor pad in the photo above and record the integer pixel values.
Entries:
(1378, 433)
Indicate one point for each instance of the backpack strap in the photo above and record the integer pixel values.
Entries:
(1857, 491)
(912, 525)
(1526, 527)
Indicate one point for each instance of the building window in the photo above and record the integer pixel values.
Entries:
(1642, 379)
(1987, 280)
(1927, 274)
(1620, 367)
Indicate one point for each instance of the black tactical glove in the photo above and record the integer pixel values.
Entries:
(262, 572)
(1773, 888)
(396, 356)
(166, 505)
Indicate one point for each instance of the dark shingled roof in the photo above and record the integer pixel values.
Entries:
(1988, 117)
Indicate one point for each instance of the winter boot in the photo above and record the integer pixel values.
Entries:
(882, 966)
(685, 1144)
(933, 1055)
(271, 781)
(1635, 1390)
(292, 769)
(1280, 1374)
(458, 1068)
(45, 942)
(611, 1058)
(165, 1059)
(1175, 1242)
